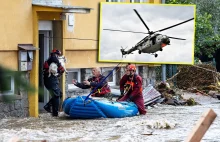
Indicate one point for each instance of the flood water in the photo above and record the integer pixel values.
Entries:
(163, 123)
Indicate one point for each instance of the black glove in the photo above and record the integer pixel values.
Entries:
(122, 92)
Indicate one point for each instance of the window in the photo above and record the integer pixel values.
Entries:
(9, 86)
(138, 1)
(73, 74)
(111, 78)
(137, 70)
(114, 0)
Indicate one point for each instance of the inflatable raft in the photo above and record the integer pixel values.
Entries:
(91, 108)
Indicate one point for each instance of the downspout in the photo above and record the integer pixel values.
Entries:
(163, 66)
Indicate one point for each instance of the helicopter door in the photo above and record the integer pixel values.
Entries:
(154, 40)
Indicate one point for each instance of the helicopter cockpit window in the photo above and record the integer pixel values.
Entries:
(154, 40)
(164, 36)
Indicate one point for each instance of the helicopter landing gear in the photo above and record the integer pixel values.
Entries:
(155, 54)
(139, 51)
(161, 49)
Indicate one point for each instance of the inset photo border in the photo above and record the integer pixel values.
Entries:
(147, 33)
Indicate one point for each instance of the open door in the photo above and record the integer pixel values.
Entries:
(45, 48)
(47, 29)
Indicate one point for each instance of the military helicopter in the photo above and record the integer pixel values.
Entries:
(153, 42)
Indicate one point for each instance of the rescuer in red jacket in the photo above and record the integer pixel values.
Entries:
(52, 82)
(131, 88)
(102, 91)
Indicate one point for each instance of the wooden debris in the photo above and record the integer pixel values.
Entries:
(202, 126)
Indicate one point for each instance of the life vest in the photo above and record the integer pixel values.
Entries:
(100, 91)
(129, 85)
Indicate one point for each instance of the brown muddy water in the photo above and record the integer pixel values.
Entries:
(163, 123)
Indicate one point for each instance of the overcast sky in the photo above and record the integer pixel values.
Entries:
(123, 17)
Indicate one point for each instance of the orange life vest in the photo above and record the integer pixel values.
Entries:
(129, 85)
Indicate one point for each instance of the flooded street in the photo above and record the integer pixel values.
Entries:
(163, 123)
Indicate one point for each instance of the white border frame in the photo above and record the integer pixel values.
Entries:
(117, 0)
(132, 1)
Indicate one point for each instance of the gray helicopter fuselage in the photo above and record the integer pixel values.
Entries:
(152, 44)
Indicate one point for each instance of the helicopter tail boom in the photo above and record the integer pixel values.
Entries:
(123, 52)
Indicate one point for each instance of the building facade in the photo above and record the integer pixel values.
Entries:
(39, 26)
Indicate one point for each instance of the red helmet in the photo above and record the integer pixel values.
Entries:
(131, 68)
(58, 52)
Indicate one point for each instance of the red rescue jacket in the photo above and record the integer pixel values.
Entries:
(53, 59)
(133, 86)
(94, 81)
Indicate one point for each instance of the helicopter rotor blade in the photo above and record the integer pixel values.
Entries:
(176, 38)
(174, 25)
(142, 20)
(125, 31)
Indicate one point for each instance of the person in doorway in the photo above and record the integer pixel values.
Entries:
(102, 91)
(131, 88)
(51, 82)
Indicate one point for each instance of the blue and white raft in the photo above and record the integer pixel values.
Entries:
(78, 108)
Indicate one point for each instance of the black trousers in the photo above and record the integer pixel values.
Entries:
(52, 85)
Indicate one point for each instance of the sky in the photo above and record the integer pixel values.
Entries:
(123, 17)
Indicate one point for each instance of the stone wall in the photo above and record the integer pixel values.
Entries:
(148, 75)
(15, 105)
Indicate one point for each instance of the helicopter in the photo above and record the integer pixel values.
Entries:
(153, 42)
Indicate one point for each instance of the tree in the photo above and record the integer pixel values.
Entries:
(207, 30)
(20, 82)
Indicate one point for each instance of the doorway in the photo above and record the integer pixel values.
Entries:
(45, 48)
(45, 45)
(47, 30)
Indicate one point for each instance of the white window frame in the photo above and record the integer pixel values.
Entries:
(137, 69)
(140, 1)
(78, 77)
(12, 91)
(75, 70)
(113, 83)
(117, 0)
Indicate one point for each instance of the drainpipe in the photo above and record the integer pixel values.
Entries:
(163, 66)
(163, 73)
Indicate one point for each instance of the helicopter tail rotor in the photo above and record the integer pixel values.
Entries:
(123, 52)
